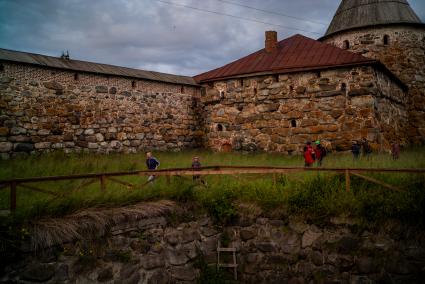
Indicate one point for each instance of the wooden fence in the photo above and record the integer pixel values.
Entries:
(102, 178)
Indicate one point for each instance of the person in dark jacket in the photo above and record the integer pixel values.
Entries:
(320, 152)
(196, 165)
(355, 149)
(152, 164)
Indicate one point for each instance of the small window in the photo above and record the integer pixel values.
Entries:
(219, 127)
(276, 78)
(255, 91)
(293, 123)
(133, 84)
(346, 44)
(76, 77)
(386, 39)
(343, 87)
(182, 89)
(221, 94)
(1, 67)
(241, 82)
(318, 74)
(291, 88)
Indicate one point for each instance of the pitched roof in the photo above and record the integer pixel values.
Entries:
(363, 13)
(91, 67)
(296, 53)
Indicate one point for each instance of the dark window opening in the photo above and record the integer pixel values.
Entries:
(182, 89)
(241, 82)
(76, 77)
(240, 108)
(293, 123)
(219, 127)
(1, 67)
(291, 88)
(52, 73)
(203, 91)
(276, 78)
(318, 74)
(255, 90)
(221, 94)
(133, 84)
(343, 87)
(386, 39)
(346, 44)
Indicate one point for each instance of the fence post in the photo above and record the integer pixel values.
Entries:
(347, 180)
(12, 196)
(102, 183)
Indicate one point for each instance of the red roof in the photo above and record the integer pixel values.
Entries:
(296, 53)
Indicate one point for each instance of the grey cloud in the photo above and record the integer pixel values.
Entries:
(151, 35)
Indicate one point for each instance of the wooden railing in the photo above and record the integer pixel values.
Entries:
(102, 178)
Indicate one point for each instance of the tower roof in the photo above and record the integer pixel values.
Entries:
(353, 14)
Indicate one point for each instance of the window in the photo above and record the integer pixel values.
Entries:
(346, 44)
(203, 91)
(133, 84)
(276, 78)
(293, 123)
(219, 127)
(241, 82)
(386, 39)
(76, 77)
(221, 94)
(318, 74)
(1, 67)
(343, 87)
(182, 89)
(255, 90)
(291, 88)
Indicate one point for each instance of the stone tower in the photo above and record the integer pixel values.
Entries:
(390, 31)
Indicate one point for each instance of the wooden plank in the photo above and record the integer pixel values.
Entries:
(381, 183)
(30, 187)
(102, 183)
(120, 182)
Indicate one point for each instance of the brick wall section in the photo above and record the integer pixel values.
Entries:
(404, 55)
(43, 109)
(281, 113)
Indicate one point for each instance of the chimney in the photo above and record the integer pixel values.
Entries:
(271, 41)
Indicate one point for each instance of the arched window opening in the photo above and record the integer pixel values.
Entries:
(386, 39)
(219, 127)
(293, 123)
(133, 84)
(346, 44)
(343, 87)
(221, 94)
(76, 77)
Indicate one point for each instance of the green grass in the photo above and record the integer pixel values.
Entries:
(315, 195)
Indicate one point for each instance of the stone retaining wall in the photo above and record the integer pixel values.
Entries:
(46, 109)
(280, 113)
(157, 250)
(403, 54)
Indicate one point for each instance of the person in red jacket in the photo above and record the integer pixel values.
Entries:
(308, 155)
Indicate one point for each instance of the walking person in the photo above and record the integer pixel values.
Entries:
(320, 152)
(366, 148)
(395, 151)
(308, 155)
(152, 164)
(355, 149)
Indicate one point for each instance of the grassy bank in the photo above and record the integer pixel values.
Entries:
(314, 194)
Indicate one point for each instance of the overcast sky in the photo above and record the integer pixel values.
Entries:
(152, 35)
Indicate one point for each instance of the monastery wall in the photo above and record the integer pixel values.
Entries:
(280, 113)
(404, 54)
(43, 109)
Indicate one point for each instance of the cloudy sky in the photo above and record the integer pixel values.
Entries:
(153, 35)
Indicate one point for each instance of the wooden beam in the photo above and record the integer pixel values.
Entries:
(27, 186)
(120, 182)
(381, 183)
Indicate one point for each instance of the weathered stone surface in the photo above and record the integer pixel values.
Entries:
(53, 85)
(176, 257)
(23, 147)
(247, 234)
(310, 236)
(183, 273)
(5, 147)
(105, 274)
(38, 272)
(153, 261)
(101, 89)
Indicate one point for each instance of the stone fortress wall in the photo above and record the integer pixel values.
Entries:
(402, 52)
(280, 113)
(42, 109)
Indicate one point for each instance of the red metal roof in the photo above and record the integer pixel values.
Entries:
(296, 53)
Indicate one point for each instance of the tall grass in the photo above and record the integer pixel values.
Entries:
(313, 194)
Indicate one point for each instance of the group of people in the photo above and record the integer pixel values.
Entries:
(314, 154)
